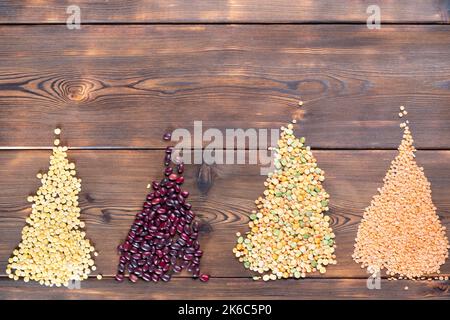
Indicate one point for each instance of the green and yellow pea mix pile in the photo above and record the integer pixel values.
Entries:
(289, 235)
(53, 250)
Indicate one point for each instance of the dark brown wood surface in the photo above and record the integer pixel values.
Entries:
(232, 288)
(213, 11)
(137, 70)
(157, 78)
(114, 186)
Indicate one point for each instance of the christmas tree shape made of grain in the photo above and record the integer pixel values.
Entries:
(289, 235)
(53, 250)
(400, 230)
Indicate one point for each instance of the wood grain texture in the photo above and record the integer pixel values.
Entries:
(114, 188)
(142, 68)
(156, 78)
(198, 11)
(234, 289)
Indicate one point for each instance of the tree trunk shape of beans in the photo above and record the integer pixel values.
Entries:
(289, 234)
(400, 230)
(53, 250)
(163, 238)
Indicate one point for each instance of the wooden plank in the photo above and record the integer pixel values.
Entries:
(157, 78)
(114, 187)
(281, 11)
(234, 289)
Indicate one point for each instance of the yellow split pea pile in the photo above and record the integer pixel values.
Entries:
(53, 250)
(289, 234)
(400, 230)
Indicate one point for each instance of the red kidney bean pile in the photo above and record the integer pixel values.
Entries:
(163, 238)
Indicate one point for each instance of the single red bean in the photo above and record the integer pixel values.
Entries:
(168, 171)
(133, 277)
(189, 250)
(156, 201)
(180, 180)
(177, 268)
(187, 229)
(146, 277)
(126, 246)
(185, 194)
(134, 249)
(155, 277)
(204, 278)
(165, 277)
(119, 277)
(198, 253)
(188, 257)
(158, 272)
(170, 184)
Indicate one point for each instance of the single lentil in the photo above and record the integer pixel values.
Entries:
(400, 230)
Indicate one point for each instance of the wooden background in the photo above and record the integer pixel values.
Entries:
(139, 68)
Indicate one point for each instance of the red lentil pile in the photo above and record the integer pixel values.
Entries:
(400, 230)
